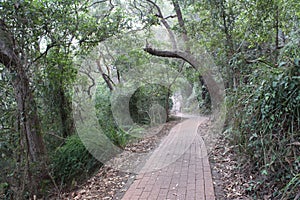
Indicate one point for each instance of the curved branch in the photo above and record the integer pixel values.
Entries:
(216, 90)
(92, 79)
(49, 46)
(169, 54)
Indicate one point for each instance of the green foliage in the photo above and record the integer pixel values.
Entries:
(145, 97)
(106, 119)
(45, 36)
(263, 97)
(9, 137)
(267, 123)
(72, 161)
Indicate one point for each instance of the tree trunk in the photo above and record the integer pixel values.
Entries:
(67, 121)
(167, 105)
(65, 109)
(205, 94)
(181, 25)
(229, 46)
(30, 124)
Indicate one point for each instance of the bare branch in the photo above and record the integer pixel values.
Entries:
(92, 79)
(105, 63)
(138, 9)
(258, 60)
(171, 16)
(57, 136)
(45, 52)
(106, 78)
(108, 52)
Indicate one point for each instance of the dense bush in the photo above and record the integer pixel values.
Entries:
(146, 97)
(106, 119)
(72, 161)
(266, 127)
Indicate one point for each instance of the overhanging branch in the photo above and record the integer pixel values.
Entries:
(216, 89)
(172, 54)
(161, 53)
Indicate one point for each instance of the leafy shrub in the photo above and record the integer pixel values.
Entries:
(144, 98)
(72, 161)
(267, 126)
(106, 119)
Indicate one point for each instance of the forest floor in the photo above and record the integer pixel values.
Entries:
(229, 180)
(109, 183)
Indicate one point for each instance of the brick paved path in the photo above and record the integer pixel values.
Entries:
(177, 169)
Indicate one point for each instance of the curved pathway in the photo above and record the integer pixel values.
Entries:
(178, 169)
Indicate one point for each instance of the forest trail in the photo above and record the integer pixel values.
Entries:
(178, 169)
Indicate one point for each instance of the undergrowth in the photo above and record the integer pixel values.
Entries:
(72, 163)
(266, 129)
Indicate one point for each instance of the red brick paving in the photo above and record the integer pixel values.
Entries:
(177, 170)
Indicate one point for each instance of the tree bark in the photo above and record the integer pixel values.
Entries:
(30, 123)
(205, 94)
(67, 121)
(167, 104)
(65, 105)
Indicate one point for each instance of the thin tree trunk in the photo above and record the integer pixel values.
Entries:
(167, 104)
(277, 27)
(229, 47)
(276, 53)
(204, 93)
(181, 24)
